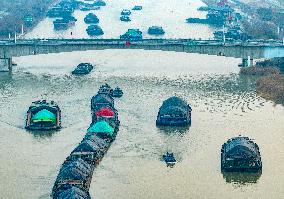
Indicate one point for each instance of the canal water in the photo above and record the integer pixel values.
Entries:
(224, 105)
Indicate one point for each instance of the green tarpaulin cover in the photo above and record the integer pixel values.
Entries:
(101, 127)
(44, 115)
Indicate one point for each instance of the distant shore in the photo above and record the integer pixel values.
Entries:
(17, 11)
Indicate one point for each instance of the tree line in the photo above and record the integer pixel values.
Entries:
(17, 10)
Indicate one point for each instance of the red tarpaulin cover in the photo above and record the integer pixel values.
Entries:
(105, 112)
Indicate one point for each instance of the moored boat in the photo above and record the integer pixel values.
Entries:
(91, 18)
(94, 30)
(156, 30)
(43, 116)
(132, 35)
(240, 154)
(63, 24)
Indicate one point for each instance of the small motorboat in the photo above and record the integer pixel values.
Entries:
(105, 89)
(83, 69)
(117, 92)
(42, 115)
(125, 18)
(137, 8)
(125, 12)
(169, 159)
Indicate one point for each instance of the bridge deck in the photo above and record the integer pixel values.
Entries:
(238, 49)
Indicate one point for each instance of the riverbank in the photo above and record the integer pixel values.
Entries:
(260, 71)
(16, 12)
(260, 19)
(270, 84)
(271, 87)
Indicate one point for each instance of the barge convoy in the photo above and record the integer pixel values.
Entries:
(42, 115)
(74, 178)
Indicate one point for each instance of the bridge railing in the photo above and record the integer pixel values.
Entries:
(140, 42)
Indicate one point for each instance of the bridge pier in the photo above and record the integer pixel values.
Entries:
(246, 62)
(251, 62)
(5, 64)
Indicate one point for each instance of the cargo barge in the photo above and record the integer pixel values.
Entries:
(174, 112)
(42, 115)
(240, 154)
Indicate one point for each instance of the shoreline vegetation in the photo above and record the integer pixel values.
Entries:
(262, 20)
(271, 87)
(16, 11)
(270, 84)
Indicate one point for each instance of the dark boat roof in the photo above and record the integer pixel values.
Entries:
(156, 27)
(175, 101)
(72, 192)
(97, 140)
(85, 64)
(102, 98)
(74, 170)
(87, 146)
(244, 144)
(94, 26)
(169, 110)
(91, 15)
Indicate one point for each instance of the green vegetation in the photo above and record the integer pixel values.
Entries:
(270, 84)
(17, 11)
(260, 71)
(271, 87)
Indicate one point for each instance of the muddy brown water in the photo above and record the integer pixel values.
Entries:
(224, 105)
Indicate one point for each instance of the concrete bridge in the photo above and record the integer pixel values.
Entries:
(247, 51)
